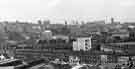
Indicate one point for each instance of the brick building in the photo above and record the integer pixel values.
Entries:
(121, 47)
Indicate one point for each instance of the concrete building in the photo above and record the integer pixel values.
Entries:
(47, 34)
(103, 58)
(74, 60)
(112, 48)
(82, 43)
(122, 47)
(121, 34)
(14, 27)
(63, 37)
(32, 28)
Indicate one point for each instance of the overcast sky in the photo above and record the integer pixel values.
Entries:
(122, 10)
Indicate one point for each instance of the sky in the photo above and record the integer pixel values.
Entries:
(59, 10)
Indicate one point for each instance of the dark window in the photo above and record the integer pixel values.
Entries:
(86, 44)
(86, 40)
(42, 41)
(86, 48)
(52, 41)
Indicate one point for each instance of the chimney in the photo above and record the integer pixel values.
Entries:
(39, 22)
(65, 22)
(112, 20)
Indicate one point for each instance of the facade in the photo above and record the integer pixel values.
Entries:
(103, 58)
(47, 34)
(82, 43)
(2, 28)
(89, 58)
(110, 48)
(50, 49)
(74, 60)
(14, 27)
(61, 37)
(96, 57)
(122, 34)
(32, 28)
(122, 47)
(123, 59)
(123, 51)
(22, 27)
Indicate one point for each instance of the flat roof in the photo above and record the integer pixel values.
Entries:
(123, 43)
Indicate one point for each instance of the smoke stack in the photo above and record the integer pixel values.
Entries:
(112, 20)
(65, 22)
(39, 22)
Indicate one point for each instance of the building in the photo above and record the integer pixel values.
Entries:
(122, 50)
(89, 58)
(121, 47)
(74, 60)
(32, 28)
(58, 48)
(103, 58)
(121, 34)
(63, 37)
(82, 43)
(2, 28)
(111, 49)
(47, 34)
(123, 59)
(48, 49)
(14, 27)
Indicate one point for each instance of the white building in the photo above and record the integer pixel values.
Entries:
(73, 60)
(82, 43)
(103, 58)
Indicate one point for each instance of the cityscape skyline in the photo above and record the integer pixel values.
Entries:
(59, 10)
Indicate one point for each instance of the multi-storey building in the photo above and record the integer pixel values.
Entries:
(47, 34)
(58, 48)
(95, 57)
(122, 47)
(82, 43)
(125, 50)
(45, 49)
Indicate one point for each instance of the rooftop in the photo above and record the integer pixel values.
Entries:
(123, 43)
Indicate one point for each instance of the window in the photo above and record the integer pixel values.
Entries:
(86, 48)
(86, 40)
(35, 27)
(86, 44)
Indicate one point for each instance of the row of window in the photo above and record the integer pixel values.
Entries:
(90, 58)
(52, 41)
(124, 46)
(89, 62)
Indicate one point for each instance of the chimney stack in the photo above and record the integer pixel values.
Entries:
(112, 20)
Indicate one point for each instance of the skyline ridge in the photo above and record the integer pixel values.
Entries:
(121, 10)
